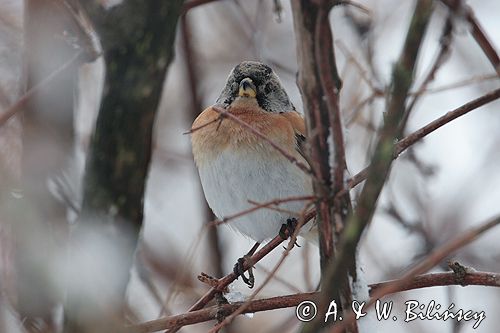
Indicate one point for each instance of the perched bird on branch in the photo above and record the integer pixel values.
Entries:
(237, 166)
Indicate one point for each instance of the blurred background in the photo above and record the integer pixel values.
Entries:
(441, 186)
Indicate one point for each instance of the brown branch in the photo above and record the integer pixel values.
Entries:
(224, 113)
(228, 279)
(194, 3)
(326, 68)
(414, 137)
(418, 282)
(269, 276)
(486, 279)
(258, 206)
(23, 100)
(222, 286)
(462, 83)
(210, 313)
(290, 285)
(197, 128)
(379, 94)
(86, 37)
(409, 140)
(423, 266)
(477, 31)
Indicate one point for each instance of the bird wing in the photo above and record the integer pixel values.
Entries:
(299, 127)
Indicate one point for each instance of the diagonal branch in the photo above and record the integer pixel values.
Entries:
(188, 5)
(416, 136)
(241, 309)
(477, 31)
(223, 113)
(228, 279)
(273, 303)
(21, 103)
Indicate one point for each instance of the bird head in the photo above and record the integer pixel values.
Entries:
(251, 79)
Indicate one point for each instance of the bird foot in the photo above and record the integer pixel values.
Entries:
(239, 270)
(288, 228)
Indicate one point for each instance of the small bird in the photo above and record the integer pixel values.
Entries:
(237, 167)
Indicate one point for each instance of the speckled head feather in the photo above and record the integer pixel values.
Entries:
(270, 93)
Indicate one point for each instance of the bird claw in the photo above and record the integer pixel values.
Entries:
(239, 270)
(288, 229)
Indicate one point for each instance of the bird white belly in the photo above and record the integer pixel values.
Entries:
(232, 179)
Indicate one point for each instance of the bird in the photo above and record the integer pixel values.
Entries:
(237, 167)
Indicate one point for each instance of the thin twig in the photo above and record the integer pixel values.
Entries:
(224, 113)
(194, 129)
(409, 140)
(357, 5)
(412, 138)
(276, 209)
(269, 277)
(290, 285)
(274, 202)
(23, 100)
(461, 83)
(228, 279)
(477, 31)
(194, 3)
(249, 127)
(87, 37)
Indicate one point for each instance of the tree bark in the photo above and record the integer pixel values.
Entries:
(138, 39)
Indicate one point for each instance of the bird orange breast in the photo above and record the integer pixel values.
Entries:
(223, 133)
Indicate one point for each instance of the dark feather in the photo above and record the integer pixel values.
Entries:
(300, 141)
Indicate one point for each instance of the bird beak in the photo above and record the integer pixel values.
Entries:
(247, 88)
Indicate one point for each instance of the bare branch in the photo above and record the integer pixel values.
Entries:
(283, 152)
(414, 137)
(269, 276)
(228, 279)
(194, 3)
(21, 102)
(258, 206)
(287, 301)
(477, 31)
(423, 266)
